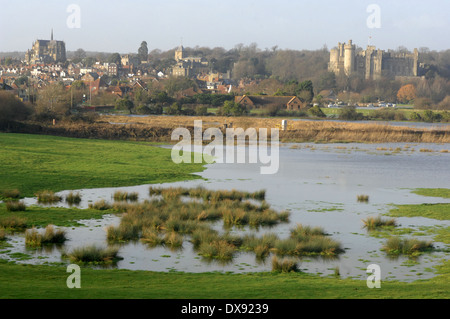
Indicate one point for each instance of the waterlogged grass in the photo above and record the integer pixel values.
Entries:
(434, 211)
(43, 216)
(433, 192)
(31, 163)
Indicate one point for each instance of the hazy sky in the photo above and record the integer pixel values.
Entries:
(120, 26)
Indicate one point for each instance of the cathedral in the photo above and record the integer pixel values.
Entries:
(46, 51)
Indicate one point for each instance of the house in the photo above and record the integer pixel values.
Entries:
(291, 103)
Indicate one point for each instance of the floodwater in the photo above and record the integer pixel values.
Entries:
(318, 184)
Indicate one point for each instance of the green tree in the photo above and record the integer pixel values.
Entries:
(143, 52)
(115, 58)
(125, 104)
(233, 108)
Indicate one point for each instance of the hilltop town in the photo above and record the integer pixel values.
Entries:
(179, 80)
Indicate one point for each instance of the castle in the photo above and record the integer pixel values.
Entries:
(46, 51)
(372, 63)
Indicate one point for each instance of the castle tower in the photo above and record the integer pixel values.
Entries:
(349, 58)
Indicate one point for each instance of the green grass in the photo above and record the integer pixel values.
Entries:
(434, 211)
(433, 192)
(58, 216)
(49, 282)
(31, 163)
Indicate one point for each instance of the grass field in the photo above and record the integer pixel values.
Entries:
(31, 163)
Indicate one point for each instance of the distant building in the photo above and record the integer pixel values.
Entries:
(372, 63)
(291, 103)
(188, 66)
(46, 51)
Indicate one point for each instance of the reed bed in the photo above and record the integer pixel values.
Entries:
(34, 238)
(406, 246)
(94, 254)
(372, 223)
(73, 198)
(2, 234)
(15, 206)
(47, 197)
(299, 131)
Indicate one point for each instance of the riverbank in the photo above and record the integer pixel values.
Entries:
(160, 128)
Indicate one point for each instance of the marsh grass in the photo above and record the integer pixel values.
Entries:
(13, 223)
(101, 205)
(406, 246)
(284, 265)
(125, 196)
(372, 223)
(73, 198)
(167, 218)
(47, 197)
(33, 238)
(362, 198)
(10, 194)
(94, 254)
(2, 234)
(15, 206)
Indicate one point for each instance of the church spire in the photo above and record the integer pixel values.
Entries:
(52, 35)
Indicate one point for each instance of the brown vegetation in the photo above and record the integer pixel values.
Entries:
(159, 129)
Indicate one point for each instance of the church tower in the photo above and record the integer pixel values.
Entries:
(179, 54)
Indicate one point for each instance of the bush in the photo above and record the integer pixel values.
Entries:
(11, 108)
(316, 111)
(350, 113)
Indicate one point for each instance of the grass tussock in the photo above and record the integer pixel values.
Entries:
(47, 197)
(406, 246)
(13, 223)
(284, 265)
(34, 238)
(125, 196)
(94, 254)
(15, 206)
(73, 198)
(372, 223)
(13, 194)
(362, 198)
(175, 213)
(101, 205)
(2, 234)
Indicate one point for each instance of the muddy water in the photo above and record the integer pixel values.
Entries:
(319, 185)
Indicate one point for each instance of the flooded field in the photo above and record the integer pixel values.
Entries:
(319, 185)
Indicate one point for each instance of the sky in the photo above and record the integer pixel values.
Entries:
(121, 26)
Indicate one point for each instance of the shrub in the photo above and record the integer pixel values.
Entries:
(316, 111)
